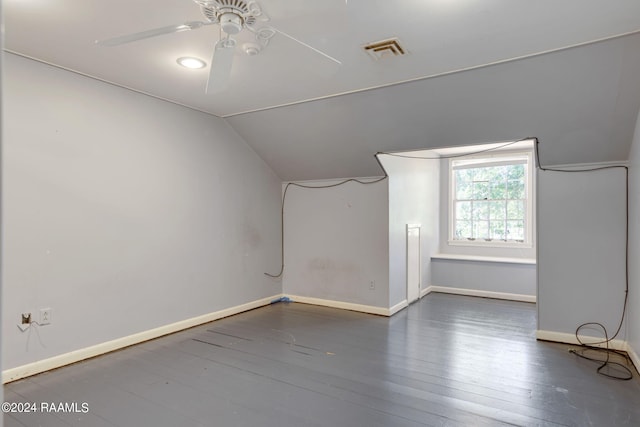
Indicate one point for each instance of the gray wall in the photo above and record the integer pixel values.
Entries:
(337, 242)
(633, 320)
(1, 206)
(502, 277)
(581, 249)
(413, 199)
(124, 213)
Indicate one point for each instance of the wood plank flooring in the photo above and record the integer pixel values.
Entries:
(447, 360)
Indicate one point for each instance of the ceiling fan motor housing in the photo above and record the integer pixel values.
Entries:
(231, 14)
(230, 22)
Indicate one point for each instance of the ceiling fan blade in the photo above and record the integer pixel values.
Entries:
(220, 68)
(308, 46)
(128, 38)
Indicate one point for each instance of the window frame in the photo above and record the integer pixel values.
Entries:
(487, 159)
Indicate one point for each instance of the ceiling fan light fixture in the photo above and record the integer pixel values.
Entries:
(251, 49)
(191, 63)
(231, 23)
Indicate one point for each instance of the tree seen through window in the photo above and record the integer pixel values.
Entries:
(490, 202)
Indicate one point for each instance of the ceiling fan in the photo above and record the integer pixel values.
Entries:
(233, 16)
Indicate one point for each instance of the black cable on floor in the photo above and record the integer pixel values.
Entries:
(607, 367)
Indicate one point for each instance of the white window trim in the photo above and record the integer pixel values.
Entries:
(528, 241)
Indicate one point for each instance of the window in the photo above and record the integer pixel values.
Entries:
(490, 200)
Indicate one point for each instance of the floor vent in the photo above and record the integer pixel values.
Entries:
(385, 49)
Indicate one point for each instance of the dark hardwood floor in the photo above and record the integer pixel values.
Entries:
(445, 361)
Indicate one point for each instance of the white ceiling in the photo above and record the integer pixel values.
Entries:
(477, 71)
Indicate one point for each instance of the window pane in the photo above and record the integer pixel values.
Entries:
(480, 210)
(463, 229)
(498, 231)
(490, 199)
(481, 174)
(463, 190)
(499, 173)
(515, 230)
(498, 190)
(497, 210)
(463, 210)
(464, 175)
(515, 189)
(481, 229)
(516, 172)
(515, 209)
(480, 190)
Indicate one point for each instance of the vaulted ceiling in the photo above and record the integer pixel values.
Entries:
(475, 71)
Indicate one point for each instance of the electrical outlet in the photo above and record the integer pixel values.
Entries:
(372, 285)
(45, 316)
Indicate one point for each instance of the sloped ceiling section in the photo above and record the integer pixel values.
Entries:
(581, 103)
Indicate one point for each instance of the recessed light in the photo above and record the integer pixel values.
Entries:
(189, 62)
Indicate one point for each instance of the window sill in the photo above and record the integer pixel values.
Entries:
(506, 260)
(489, 244)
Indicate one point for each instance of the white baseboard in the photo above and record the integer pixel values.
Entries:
(633, 356)
(399, 306)
(571, 339)
(381, 311)
(44, 365)
(27, 370)
(477, 258)
(426, 291)
(479, 293)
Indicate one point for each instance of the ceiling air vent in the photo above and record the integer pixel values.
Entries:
(385, 49)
